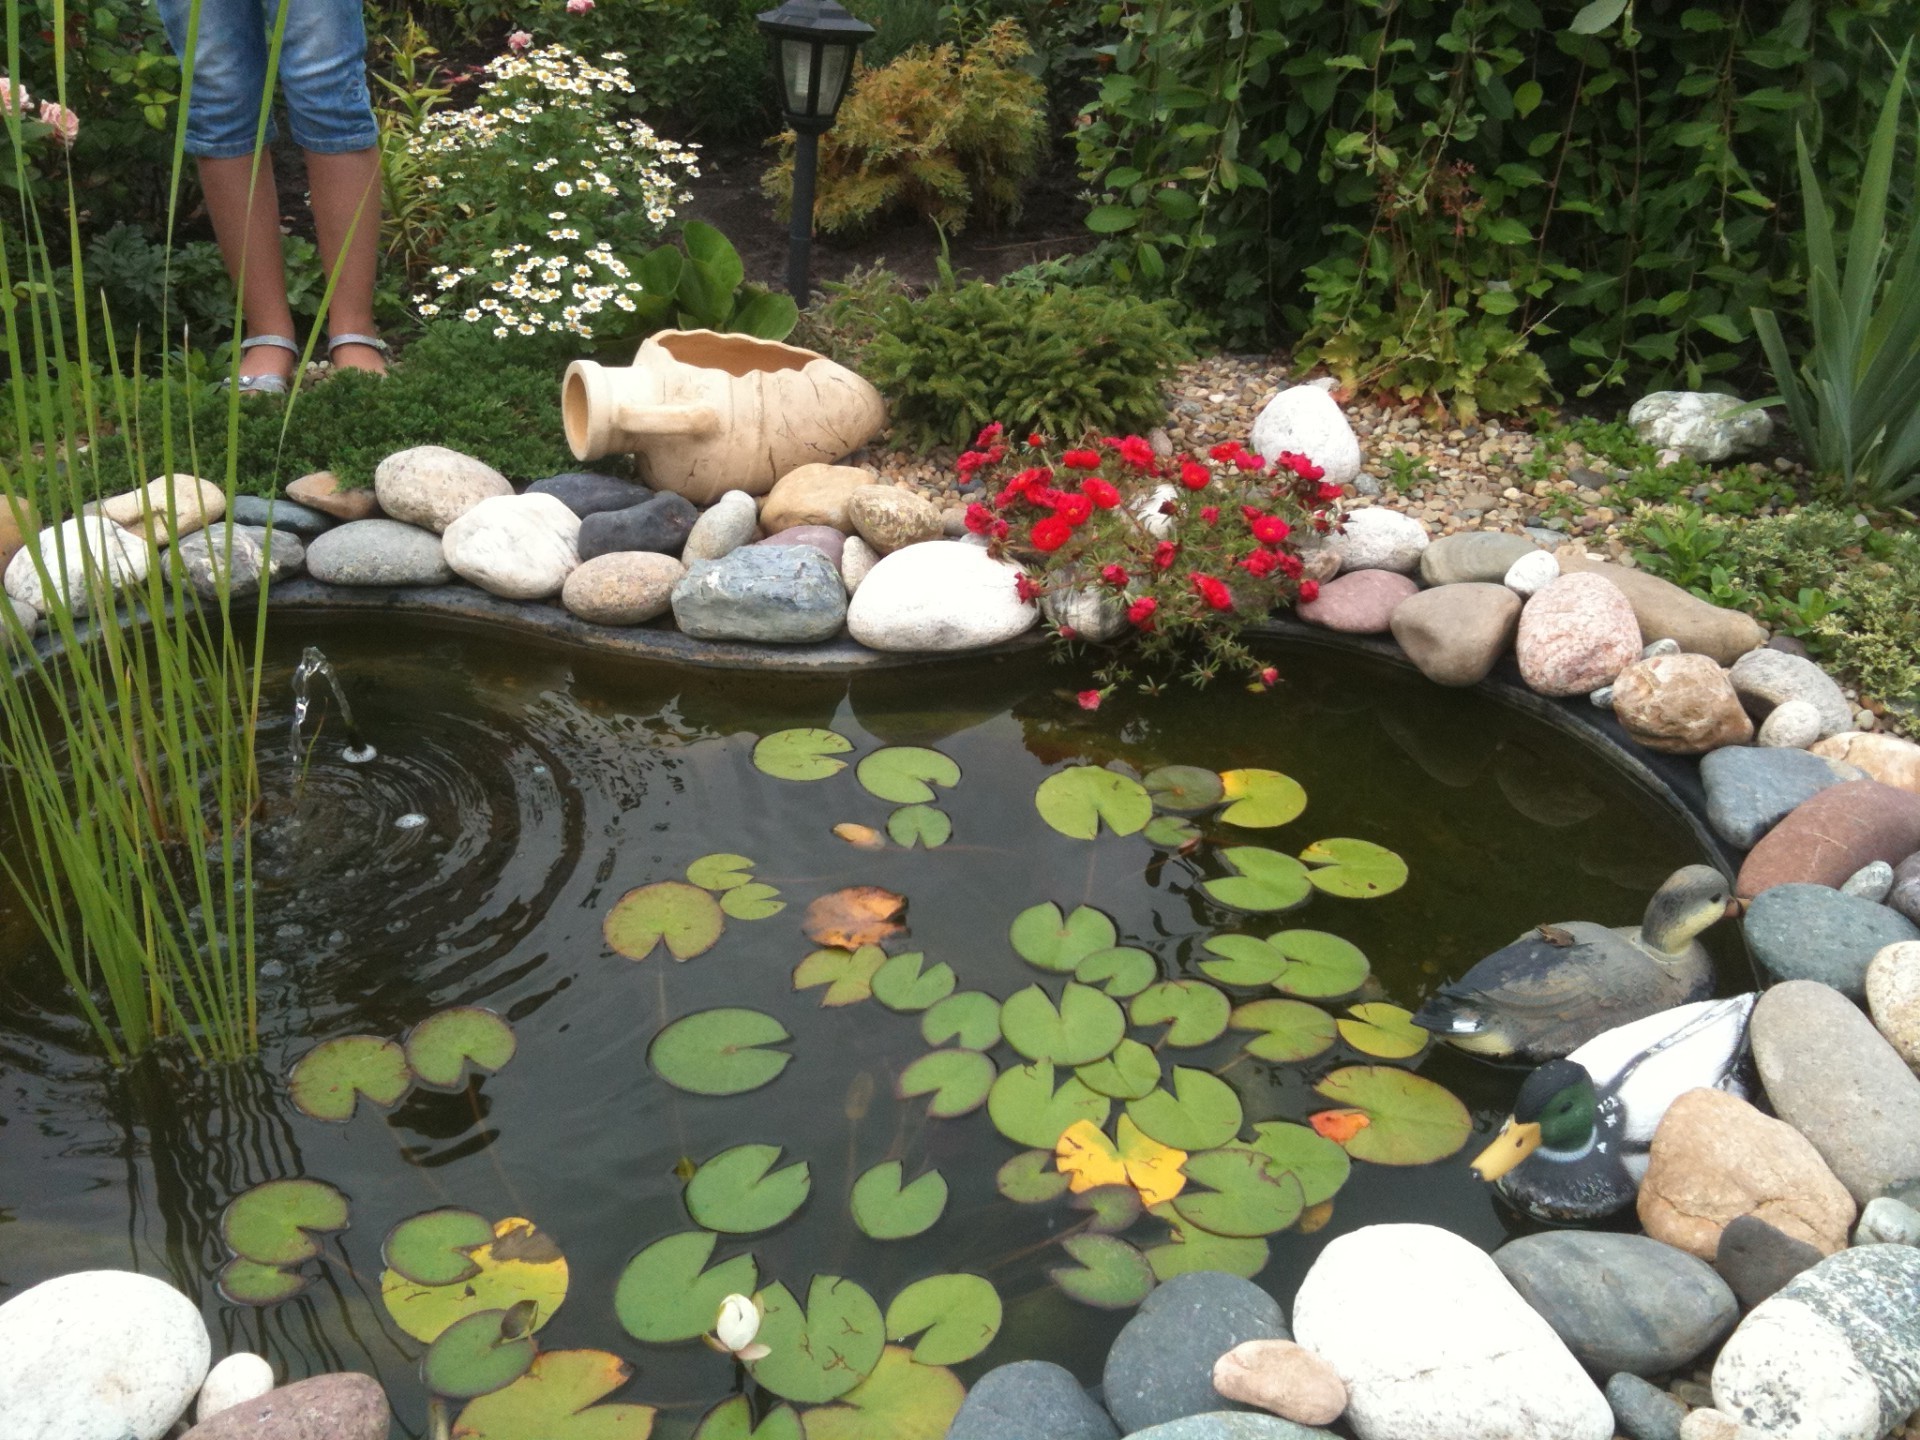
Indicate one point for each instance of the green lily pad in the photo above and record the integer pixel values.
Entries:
(1200, 1113)
(1184, 788)
(1385, 1031)
(1028, 1110)
(1107, 1272)
(847, 974)
(1410, 1119)
(1247, 1193)
(923, 824)
(1316, 1162)
(1265, 880)
(901, 1400)
(1083, 1028)
(686, 917)
(1261, 798)
(970, 1019)
(1075, 801)
(955, 1316)
(1042, 936)
(1289, 1030)
(739, 1192)
(720, 872)
(718, 1052)
(820, 1353)
(1172, 831)
(274, 1223)
(327, 1082)
(804, 754)
(485, 1352)
(732, 1419)
(248, 1282)
(752, 901)
(1355, 869)
(437, 1248)
(901, 984)
(1030, 1178)
(520, 1265)
(1190, 1248)
(958, 1081)
(442, 1046)
(1112, 1208)
(1194, 1012)
(557, 1400)
(906, 774)
(667, 1294)
(885, 1209)
(1120, 970)
(1308, 963)
(1131, 1072)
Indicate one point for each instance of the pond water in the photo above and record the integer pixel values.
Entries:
(518, 794)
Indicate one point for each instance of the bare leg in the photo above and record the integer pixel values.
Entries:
(245, 209)
(346, 219)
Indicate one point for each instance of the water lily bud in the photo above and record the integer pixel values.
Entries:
(739, 1322)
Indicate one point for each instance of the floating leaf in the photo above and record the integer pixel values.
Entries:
(732, 1419)
(1190, 1248)
(821, 1353)
(1030, 1179)
(1261, 798)
(1027, 1109)
(1194, 1012)
(958, 1081)
(805, 754)
(688, 918)
(720, 872)
(1076, 800)
(885, 1209)
(1042, 936)
(520, 1264)
(1247, 1193)
(556, 1400)
(1289, 1030)
(738, 1191)
(1131, 1158)
(1317, 1163)
(906, 774)
(274, 1223)
(666, 1294)
(924, 824)
(864, 836)
(1383, 1030)
(1265, 880)
(442, 1046)
(1356, 869)
(1111, 1208)
(327, 1082)
(752, 901)
(436, 1248)
(858, 915)
(970, 1019)
(1120, 970)
(956, 1317)
(1184, 788)
(1129, 1073)
(847, 974)
(717, 1052)
(900, 1400)
(1309, 963)
(1200, 1113)
(1083, 1028)
(248, 1282)
(1315, 1217)
(1172, 831)
(485, 1352)
(901, 984)
(1108, 1272)
(1412, 1121)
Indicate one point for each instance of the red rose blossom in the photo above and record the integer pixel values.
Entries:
(1051, 533)
(1100, 492)
(1327, 491)
(1271, 529)
(1000, 530)
(1291, 566)
(1260, 564)
(992, 433)
(979, 519)
(1211, 590)
(1074, 509)
(1137, 452)
(1248, 461)
(1229, 451)
(1140, 612)
(1036, 441)
(1163, 554)
(1115, 576)
(1210, 514)
(1025, 589)
(1194, 475)
(1309, 590)
(1081, 459)
(1089, 699)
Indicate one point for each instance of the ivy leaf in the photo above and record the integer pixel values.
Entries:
(1201, 1112)
(442, 1046)
(956, 1317)
(1043, 937)
(1410, 1119)
(901, 984)
(686, 917)
(906, 774)
(719, 1052)
(958, 1080)
(970, 1019)
(739, 1192)
(847, 974)
(805, 754)
(1263, 880)
(327, 1082)
(1261, 799)
(1107, 1273)
(1028, 1110)
(1355, 869)
(901, 1400)
(556, 1400)
(1077, 800)
(666, 1294)
(1194, 1012)
(886, 1209)
(822, 1352)
(929, 827)
(1083, 1028)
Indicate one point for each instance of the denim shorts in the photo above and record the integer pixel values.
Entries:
(322, 74)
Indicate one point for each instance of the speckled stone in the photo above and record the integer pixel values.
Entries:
(1872, 881)
(1379, 539)
(1360, 603)
(789, 594)
(1887, 758)
(1767, 678)
(891, 519)
(1893, 997)
(1456, 634)
(1575, 636)
(432, 486)
(339, 1406)
(1792, 726)
(378, 552)
(1680, 705)
(1812, 932)
(722, 528)
(628, 587)
(1222, 1425)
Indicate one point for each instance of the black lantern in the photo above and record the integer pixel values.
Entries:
(813, 46)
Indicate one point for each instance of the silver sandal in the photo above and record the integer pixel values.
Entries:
(265, 384)
(372, 342)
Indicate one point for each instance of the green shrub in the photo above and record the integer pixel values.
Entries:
(701, 64)
(842, 320)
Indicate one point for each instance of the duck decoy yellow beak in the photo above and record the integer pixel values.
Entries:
(1514, 1143)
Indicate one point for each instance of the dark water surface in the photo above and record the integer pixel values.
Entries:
(550, 785)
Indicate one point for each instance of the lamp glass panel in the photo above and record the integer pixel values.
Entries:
(796, 74)
(834, 62)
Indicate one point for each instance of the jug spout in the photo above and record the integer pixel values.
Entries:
(606, 410)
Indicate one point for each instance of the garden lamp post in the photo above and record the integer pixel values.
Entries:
(813, 45)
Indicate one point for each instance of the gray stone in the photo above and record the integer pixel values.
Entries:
(340, 1406)
(585, 493)
(83, 556)
(722, 528)
(1482, 556)
(241, 1377)
(1097, 613)
(28, 617)
(205, 555)
(1811, 932)
(432, 486)
(1457, 633)
(1643, 1411)
(1161, 1365)
(1756, 1258)
(1655, 649)
(1873, 881)
(1026, 1400)
(661, 525)
(279, 515)
(378, 552)
(1621, 1302)
(1766, 678)
(788, 594)
(1750, 790)
(1601, 699)
(1792, 726)
(1226, 1425)
(1545, 535)
(1699, 425)
(1887, 1221)
(1905, 895)
(628, 587)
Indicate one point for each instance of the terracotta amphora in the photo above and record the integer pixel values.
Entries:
(704, 413)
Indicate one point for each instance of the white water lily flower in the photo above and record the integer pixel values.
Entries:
(733, 1331)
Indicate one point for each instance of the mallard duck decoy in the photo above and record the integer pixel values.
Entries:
(1575, 1147)
(1559, 985)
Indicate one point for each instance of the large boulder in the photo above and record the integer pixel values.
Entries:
(432, 486)
(1359, 603)
(1160, 1367)
(1306, 420)
(378, 552)
(1473, 556)
(586, 493)
(1750, 790)
(942, 595)
(628, 587)
(338, 1406)
(1379, 539)
(81, 556)
(1813, 932)
(1575, 636)
(1027, 1399)
(167, 508)
(1833, 835)
(1666, 612)
(787, 594)
(1893, 997)
(519, 547)
(722, 528)
(1769, 678)
(660, 525)
(1457, 633)
(889, 518)
(814, 495)
(1699, 424)
(1887, 758)
(1680, 705)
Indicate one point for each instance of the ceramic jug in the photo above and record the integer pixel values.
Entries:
(704, 413)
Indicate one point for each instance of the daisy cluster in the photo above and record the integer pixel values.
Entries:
(558, 294)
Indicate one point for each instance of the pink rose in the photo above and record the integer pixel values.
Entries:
(518, 41)
(13, 97)
(62, 121)
(579, 7)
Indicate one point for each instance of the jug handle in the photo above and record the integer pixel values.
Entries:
(695, 420)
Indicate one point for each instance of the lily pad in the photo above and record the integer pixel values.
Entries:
(274, 1223)
(686, 917)
(667, 1294)
(1264, 880)
(732, 1419)
(1385, 1031)
(955, 1316)
(1172, 831)
(805, 754)
(820, 1353)
(906, 774)
(1110, 1208)
(248, 1282)
(1129, 1073)
(1190, 1248)
(327, 1082)
(752, 901)
(436, 1248)
(1194, 1012)
(1077, 800)
(1030, 1179)
(720, 871)
(1356, 869)
(739, 1192)
(557, 1400)
(485, 1352)
(1184, 788)
(1201, 1112)
(1308, 963)
(1261, 798)
(858, 915)
(901, 984)
(1289, 1030)
(1317, 1163)
(1028, 1110)
(1082, 1028)
(1120, 970)
(847, 974)
(1131, 1158)
(1042, 936)
(901, 1400)
(958, 1081)
(886, 1209)
(1411, 1120)
(1247, 1193)
(719, 1052)
(970, 1019)
(1107, 1272)
(442, 1046)
(520, 1264)
(924, 825)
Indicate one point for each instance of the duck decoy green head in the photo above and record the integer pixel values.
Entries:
(1692, 899)
(1557, 1110)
